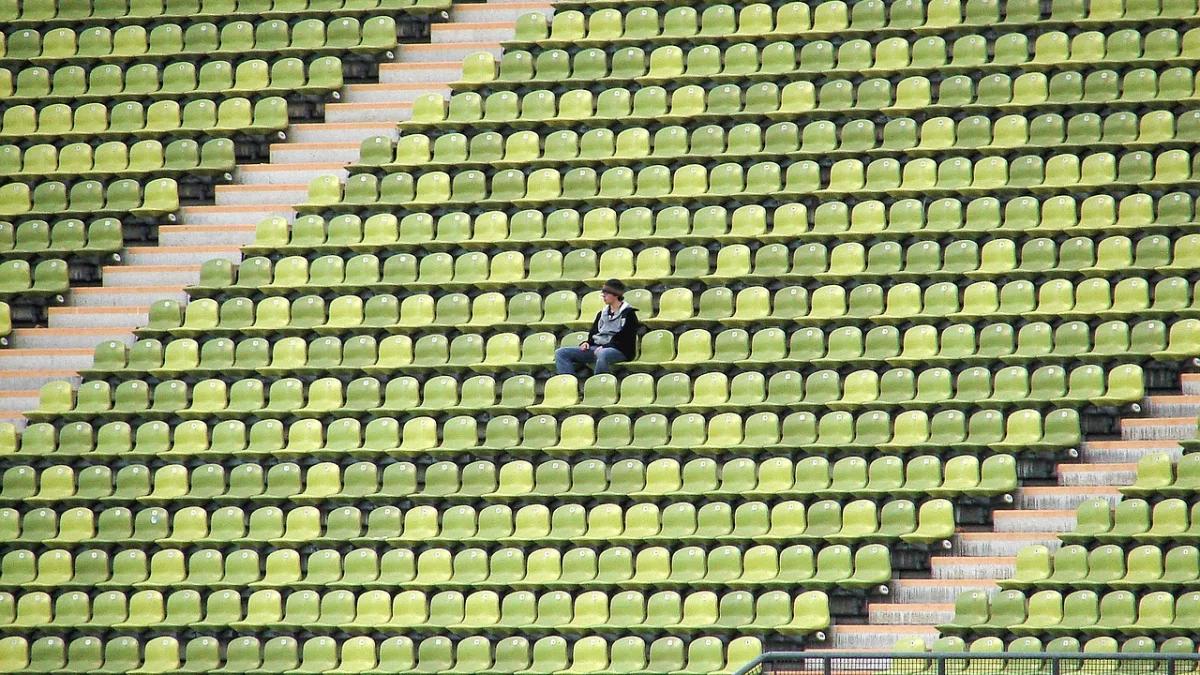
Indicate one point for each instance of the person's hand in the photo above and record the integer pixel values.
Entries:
(585, 346)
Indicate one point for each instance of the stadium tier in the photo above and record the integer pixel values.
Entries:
(919, 281)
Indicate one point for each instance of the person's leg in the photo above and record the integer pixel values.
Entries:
(566, 358)
(606, 358)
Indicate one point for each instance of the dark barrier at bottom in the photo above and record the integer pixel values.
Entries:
(979, 663)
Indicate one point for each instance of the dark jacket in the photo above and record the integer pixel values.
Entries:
(625, 340)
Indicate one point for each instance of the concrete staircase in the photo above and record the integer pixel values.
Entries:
(978, 559)
(111, 311)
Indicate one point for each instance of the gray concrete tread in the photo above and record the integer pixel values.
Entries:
(1068, 490)
(101, 290)
(952, 583)
(1013, 536)
(221, 248)
(297, 166)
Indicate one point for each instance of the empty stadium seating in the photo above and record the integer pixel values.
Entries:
(894, 259)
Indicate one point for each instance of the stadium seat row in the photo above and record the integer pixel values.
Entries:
(157, 197)
(23, 284)
(50, 12)
(188, 358)
(1082, 612)
(915, 431)
(294, 356)
(694, 183)
(822, 59)
(397, 655)
(35, 238)
(979, 218)
(862, 389)
(216, 78)
(183, 157)
(1000, 259)
(836, 98)
(378, 612)
(1133, 520)
(445, 482)
(1035, 342)
(1059, 299)
(861, 521)
(487, 311)
(1030, 646)
(921, 343)
(652, 568)
(549, 269)
(1109, 566)
(237, 39)
(206, 319)
(709, 391)
(23, 123)
(901, 136)
(639, 24)
(1158, 474)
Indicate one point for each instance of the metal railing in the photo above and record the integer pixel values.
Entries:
(960, 663)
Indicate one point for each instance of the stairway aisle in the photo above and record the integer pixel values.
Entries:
(978, 559)
(149, 273)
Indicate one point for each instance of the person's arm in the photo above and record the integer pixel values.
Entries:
(626, 339)
(591, 338)
(592, 334)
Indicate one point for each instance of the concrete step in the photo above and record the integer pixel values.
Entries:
(31, 360)
(152, 275)
(1190, 383)
(1158, 428)
(1089, 475)
(990, 544)
(181, 255)
(439, 53)
(465, 32)
(269, 196)
(344, 132)
(306, 153)
(204, 235)
(879, 638)
(493, 11)
(121, 296)
(1062, 497)
(18, 401)
(405, 92)
(938, 590)
(98, 317)
(233, 215)
(1111, 452)
(1185, 405)
(288, 174)
(67, 338)
(905, 614)
(34, 380)
(986, 568)
(350, 113)
(1034, 520)
(434, 73)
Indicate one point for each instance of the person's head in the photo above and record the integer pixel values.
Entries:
(613, 292)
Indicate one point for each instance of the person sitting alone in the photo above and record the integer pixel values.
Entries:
(612, 339)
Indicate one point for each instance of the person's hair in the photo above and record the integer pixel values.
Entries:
(616, 287)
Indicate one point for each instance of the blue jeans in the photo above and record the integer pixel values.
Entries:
(566, 358)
